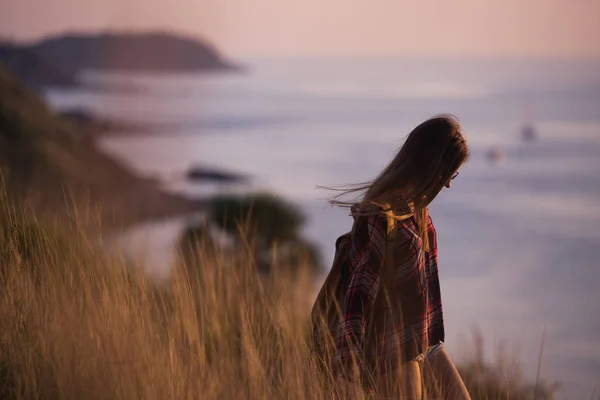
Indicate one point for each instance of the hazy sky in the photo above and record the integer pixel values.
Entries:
(276, 27)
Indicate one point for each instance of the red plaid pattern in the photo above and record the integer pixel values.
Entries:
(414, 318)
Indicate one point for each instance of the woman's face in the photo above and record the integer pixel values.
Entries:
(449, 183)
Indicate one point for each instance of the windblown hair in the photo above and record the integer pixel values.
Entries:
(431, 154)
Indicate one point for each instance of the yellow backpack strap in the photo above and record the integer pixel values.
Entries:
(388, 265)
(391, 224)
(391, 227)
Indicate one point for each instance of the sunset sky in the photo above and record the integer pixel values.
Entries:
(307, 27)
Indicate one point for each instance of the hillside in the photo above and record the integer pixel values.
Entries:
(57, 60)
(50, 164)
(33, 68)
(138, 52)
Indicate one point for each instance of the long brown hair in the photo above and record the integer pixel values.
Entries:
(430, 156)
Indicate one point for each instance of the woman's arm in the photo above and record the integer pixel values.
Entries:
(366, 259)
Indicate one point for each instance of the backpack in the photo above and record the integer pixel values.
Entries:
(326, 311)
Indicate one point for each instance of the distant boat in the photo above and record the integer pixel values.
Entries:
(496, 155)
(528, 131)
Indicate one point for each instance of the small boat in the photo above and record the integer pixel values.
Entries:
(496, 155)
(528, 131)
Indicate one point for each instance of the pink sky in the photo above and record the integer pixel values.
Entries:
(303, 27)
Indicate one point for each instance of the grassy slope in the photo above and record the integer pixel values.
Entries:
(79, 325)
(46, 160)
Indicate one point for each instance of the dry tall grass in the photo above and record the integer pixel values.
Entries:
(78, 324)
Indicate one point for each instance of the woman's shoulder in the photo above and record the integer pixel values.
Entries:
(369, 225)
(408, 231)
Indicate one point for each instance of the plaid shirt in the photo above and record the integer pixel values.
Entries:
(413, 316)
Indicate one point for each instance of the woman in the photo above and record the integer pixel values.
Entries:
(403, 353)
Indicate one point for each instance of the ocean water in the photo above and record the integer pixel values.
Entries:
(517, 241)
